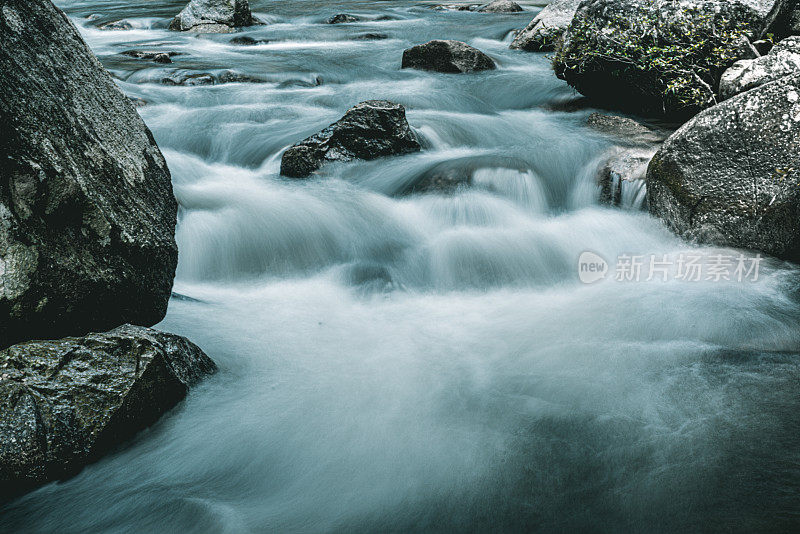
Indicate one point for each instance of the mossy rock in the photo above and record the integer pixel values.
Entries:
(660, 58)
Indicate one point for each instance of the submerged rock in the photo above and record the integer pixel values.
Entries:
(117, 25)
(370, 130)
(500, 6)
(731, 176)
(213, 16)
(456, 7)
(151, 55)
(782, 60)
(659, 57)
(342, 18)
(87, 214)
(370, 37)
(446, 56)
(546, 28)
(191, 78)
(66, 402)
(245, 40)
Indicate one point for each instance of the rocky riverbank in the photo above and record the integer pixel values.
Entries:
(87, 244)
(729, 176)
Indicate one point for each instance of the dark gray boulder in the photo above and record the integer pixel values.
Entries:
(782, 60)
(87, 214)
(66, 402)
(500, 6)
(370, 130)
(659, 57)
(546, 28)
(446, 56)
(213, 16)
(342, 18)
(731, 176)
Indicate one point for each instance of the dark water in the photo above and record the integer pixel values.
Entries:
(396, 363)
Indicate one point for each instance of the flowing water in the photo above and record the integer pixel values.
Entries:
(394, 362)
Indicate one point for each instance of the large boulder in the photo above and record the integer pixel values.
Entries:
(659, 57)
(546, 28)
(64, 403)
(731, 176)
(500, 6)
(213, 16)
(782, 60)
(446, 56)
(87, 214)
(370, 130)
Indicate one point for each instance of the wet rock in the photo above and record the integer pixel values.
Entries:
(369, 277)
(66, 402)
(151, 55)
(314, 82)
(245, 40)
(546, 28)
(370, 130)
(446, 56)
(456, 7)
(500, 6)
(231, 76)
(213, 16)
(782, 60)
(87, 213)
(370, 37)
(622, 177)
(626, 129)
(117, 25)
(191, 78)
(445, 177)
(731, 176)
(609, 48)
(342, 18)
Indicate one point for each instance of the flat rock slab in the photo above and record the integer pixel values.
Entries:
(65, 402)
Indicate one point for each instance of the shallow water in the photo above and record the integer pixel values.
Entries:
(428, 362)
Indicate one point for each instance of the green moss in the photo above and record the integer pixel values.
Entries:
(677, 63)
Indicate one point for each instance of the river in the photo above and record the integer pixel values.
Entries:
(427, 362)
